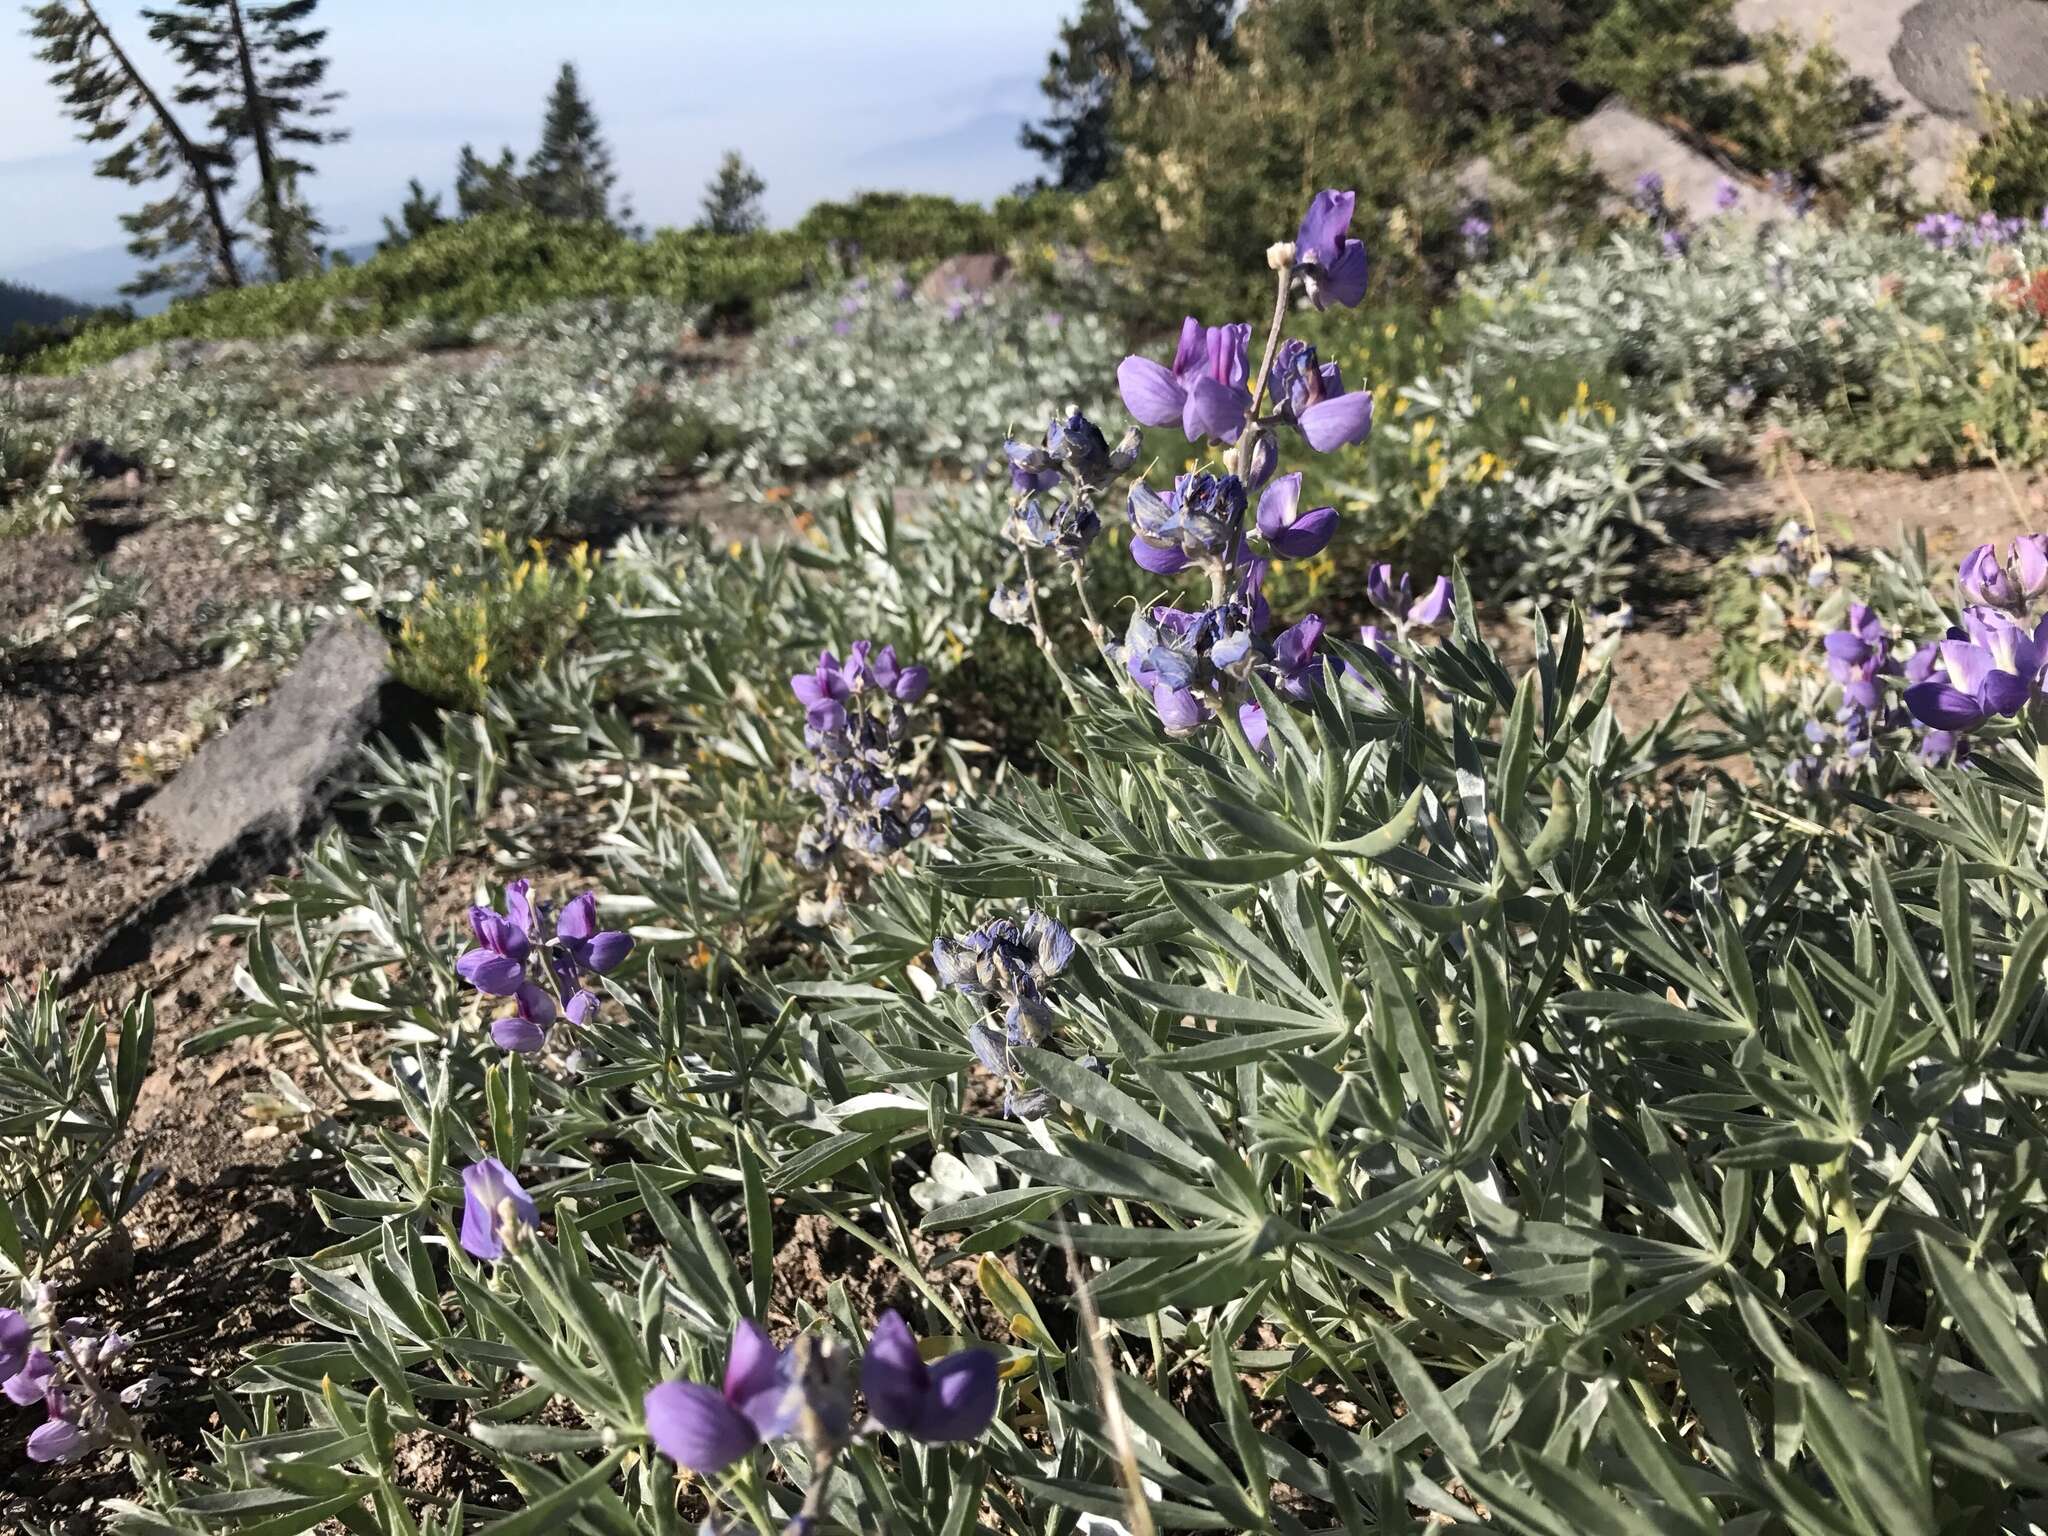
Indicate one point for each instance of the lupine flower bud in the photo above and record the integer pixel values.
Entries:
(824, 1390)
(1010, 605)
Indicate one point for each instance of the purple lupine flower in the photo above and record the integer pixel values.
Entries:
(1649, 194)
(588, 948)
(1477, 233)
(1251, 720)
(1391, 598)
(1312, 399)
(1289, 532)
(32, 1382)
(1333, 266)
(1992, 663)
(953, 1398)
(1857, 657)
(59, 1438)
(707, 1430)
(1727, 196)
(842, 327)
(1180, 710)
(1299, 668)
(525, 1029)
(495, 1209)
(1204, 391)
(1434, 606)
(2011, 584)
(497, 965)
(904, 684)
(14, 1342)
(1984, 580)
(823, 693)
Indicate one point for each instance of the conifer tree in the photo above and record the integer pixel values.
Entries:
(570, 176)
(1107, 44)
(184, 235)
(732, 198)
(487, 186)
(421, 213)
(258, 69)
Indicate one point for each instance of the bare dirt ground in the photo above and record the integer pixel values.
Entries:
(1670, 652)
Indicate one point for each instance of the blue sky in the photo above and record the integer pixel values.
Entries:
(823, 96)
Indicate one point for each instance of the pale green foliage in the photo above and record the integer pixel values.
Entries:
(858, 375)
(1868, 345)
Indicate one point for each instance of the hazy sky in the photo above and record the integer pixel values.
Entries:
(823, 96)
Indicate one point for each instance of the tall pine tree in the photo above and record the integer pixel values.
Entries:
(570, 176)
(732, 198)
(259, 69)
(184, 236)
(1108, 44)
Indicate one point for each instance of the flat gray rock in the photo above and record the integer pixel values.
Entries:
(245, 799)
(1623, 146)
(1937, 39)
(964, 277)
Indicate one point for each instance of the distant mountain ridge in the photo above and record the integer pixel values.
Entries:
(21, 305)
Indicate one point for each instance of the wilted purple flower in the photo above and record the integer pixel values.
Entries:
(1676, 242)
(1727, 196)
(857, 730)
(1010, 964)
(1199, 519)
(1312, 398)
(1064, 528)
(953, 1398)
(1203, 392)
(1333, 266)
(495, 1210)
(706, 1430)
(1010, 605)
(1649, 195)
(1289, 532)
(900, 289)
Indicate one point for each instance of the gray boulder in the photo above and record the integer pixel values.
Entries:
(964, 277)
(244, 801)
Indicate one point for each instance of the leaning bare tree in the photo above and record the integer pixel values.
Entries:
(259, 71)
(184, 237)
